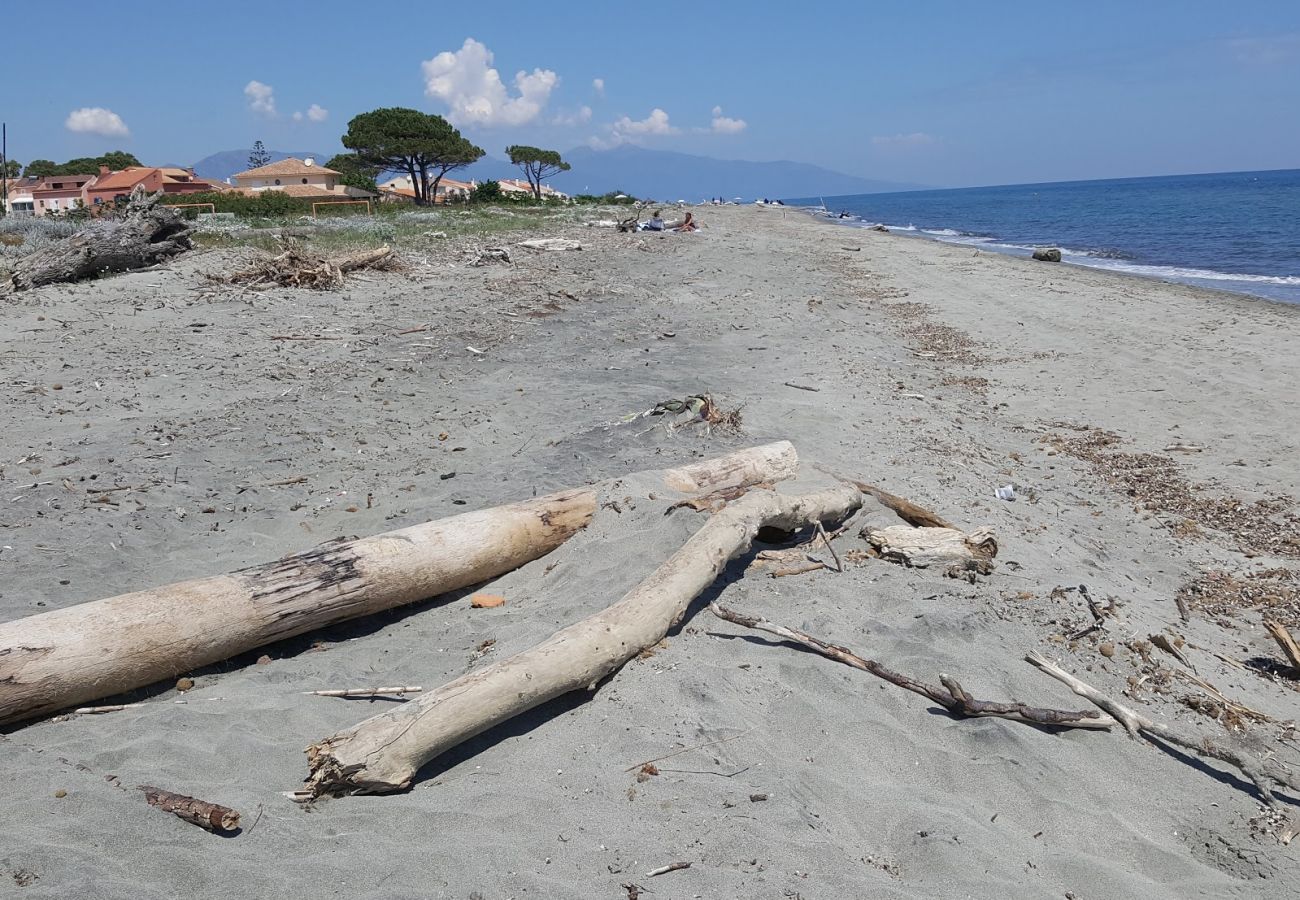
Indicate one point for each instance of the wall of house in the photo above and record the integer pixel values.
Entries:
(269, 184)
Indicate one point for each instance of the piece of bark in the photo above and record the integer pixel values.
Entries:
(211, 816)
(146, 234)
(925, 546)
(92, 650)
(1264, 773)
(384, 752)
(1290, 649)
(951, 696)
(909, 512)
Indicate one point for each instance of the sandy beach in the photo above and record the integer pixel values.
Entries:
(158, 427)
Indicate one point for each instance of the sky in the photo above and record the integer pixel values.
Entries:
(943, 93)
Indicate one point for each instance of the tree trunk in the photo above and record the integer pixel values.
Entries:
(93, 650)
(146, 234)
(384, 753)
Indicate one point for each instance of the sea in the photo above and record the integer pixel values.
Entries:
(1234, 231)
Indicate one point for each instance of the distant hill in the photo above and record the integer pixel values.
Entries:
(220, 166)
(666, 175)
(661, 174)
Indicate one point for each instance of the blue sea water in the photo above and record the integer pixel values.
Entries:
(1236, 231)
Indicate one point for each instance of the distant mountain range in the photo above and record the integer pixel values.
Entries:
(220, 166)
(661, 174)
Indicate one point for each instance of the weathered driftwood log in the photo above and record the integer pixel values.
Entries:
(1264, 772)
(952, 696)
(69, 656)
(197, 812)
(146, 233)
(384, 753)
(922, 547)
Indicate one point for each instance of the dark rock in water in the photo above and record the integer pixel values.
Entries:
(880, 228)
(1047, 254)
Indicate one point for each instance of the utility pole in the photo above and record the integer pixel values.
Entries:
(4, 169)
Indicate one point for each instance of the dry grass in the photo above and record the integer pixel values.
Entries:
(1157, 483)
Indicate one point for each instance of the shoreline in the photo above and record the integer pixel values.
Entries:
(1223, 294)
(1080, 259)
(939, 374)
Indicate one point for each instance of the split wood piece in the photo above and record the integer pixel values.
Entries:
(952, 696)
(1284, 640)
(924, 546)
(197, 812)
(366, 692)
(384, 752)
(145, 234)
(664, 870)
(1263, 773)
(69, 656)
(908, 511)
(804, 569)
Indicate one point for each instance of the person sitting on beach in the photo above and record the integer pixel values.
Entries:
(686, 224)
(656, 222)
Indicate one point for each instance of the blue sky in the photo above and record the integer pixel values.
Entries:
(942, 93)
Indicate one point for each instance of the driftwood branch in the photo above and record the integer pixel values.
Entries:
(1284, 640)
(197, 812)
(952, 696)
(384, 752)
(1263, 773)
(297, 267)
(367, 692)
(92, 650)
(909, 512)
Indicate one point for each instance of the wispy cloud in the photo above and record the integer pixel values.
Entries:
(466, 81)
(897, 141)
(314, 113)
(1265, 51)
(580, 116)
(261, 98)
(598, 85)
(96, 120)
(723, 125)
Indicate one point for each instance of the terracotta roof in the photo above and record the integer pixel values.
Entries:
(70, 182)
(290, 166)
(123, 180)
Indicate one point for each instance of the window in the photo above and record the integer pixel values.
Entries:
(304, 181)
(277, 181)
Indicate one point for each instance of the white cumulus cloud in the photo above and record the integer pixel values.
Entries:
(598, 85)
(96, 120)
(655, 123)
(466, 81)
(261, 98)
(894, 141)
(723, 125)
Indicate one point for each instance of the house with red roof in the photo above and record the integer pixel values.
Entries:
(59, 193)
(298, 178)
(109, 186)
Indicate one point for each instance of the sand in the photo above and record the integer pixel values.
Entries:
(942, 373)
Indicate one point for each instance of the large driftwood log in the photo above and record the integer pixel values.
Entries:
(952, 696)
(384, 753)
(93, 650)
(147, 233)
